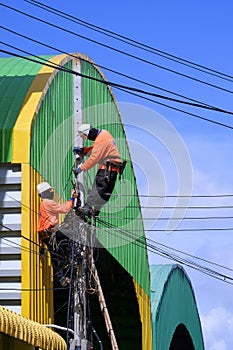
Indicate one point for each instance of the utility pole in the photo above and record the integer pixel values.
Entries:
(79, 300)
(84, 236)
(80, 317)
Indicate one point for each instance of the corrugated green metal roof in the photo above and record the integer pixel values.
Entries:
(159, 278)
(121, 226)
(16, 76)
(53, 132)
(173, 303)
(56, 107)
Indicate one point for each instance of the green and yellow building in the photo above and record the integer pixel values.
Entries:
(42, 104)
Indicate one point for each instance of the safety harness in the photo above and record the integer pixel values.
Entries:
(116, 167)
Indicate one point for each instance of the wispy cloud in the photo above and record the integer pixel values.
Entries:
(218, 329)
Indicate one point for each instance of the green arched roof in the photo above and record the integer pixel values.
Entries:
(173, 303)
(36, 107)
(16, 76)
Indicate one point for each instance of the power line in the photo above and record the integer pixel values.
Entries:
(179, 110)
(192, 229)
(30, 250)
(152, 248)
(130, 41)
(114, 49)
(106, 68)
(161, 207)
(174, 196)
(116, 85)
(172, 207)
(135, 240)
(173, 218)
(122, 87)
(26, 249)
(201, 207)
(191, 255)
(138, 239)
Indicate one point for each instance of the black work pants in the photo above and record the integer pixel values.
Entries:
(102, 189)
(57, 254)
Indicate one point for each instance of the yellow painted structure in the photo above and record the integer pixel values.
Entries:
(30, 332)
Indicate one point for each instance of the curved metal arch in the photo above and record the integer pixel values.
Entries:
(173, 303)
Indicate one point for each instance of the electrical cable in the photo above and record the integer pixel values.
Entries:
(177, 109)
(130, 41)
(104, 67)
(112, 226)
(114, 49)
(191, 229)
(56, 256)
(191, 255)
(120, 86)
(143, 207)
(69, 297)
(172, 218)
(129, 88)
(172, 196)
(152, 248)
(29, 250)
(118, 206)
(97, 337)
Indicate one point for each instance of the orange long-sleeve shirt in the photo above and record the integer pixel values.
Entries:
(49, 213)
(104, 149)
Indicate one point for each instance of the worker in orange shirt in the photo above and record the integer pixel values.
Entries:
(105, 153)
(48, 227)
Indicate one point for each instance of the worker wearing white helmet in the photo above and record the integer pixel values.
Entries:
(104, 152)
(83, 130)
(43, 186)
(48, 226)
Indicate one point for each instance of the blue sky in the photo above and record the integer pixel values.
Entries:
(199, 32)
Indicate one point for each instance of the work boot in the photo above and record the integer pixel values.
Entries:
(86, 209)
(95, 212)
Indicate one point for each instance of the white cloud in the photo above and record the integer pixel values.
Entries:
(218, 329)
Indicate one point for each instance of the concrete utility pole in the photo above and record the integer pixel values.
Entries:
(79, 284)
(80, 317)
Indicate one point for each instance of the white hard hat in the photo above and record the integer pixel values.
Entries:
(84, 129)
(43, 186)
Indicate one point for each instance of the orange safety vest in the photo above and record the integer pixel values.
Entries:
(49, 213)
(104, 149)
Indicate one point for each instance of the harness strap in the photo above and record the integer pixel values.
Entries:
(48, 233)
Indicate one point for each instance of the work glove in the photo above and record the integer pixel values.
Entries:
(77, 170)
(74, 194)
(79, 150)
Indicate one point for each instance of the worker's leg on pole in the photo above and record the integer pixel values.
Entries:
(100, 193)
(57, 262)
